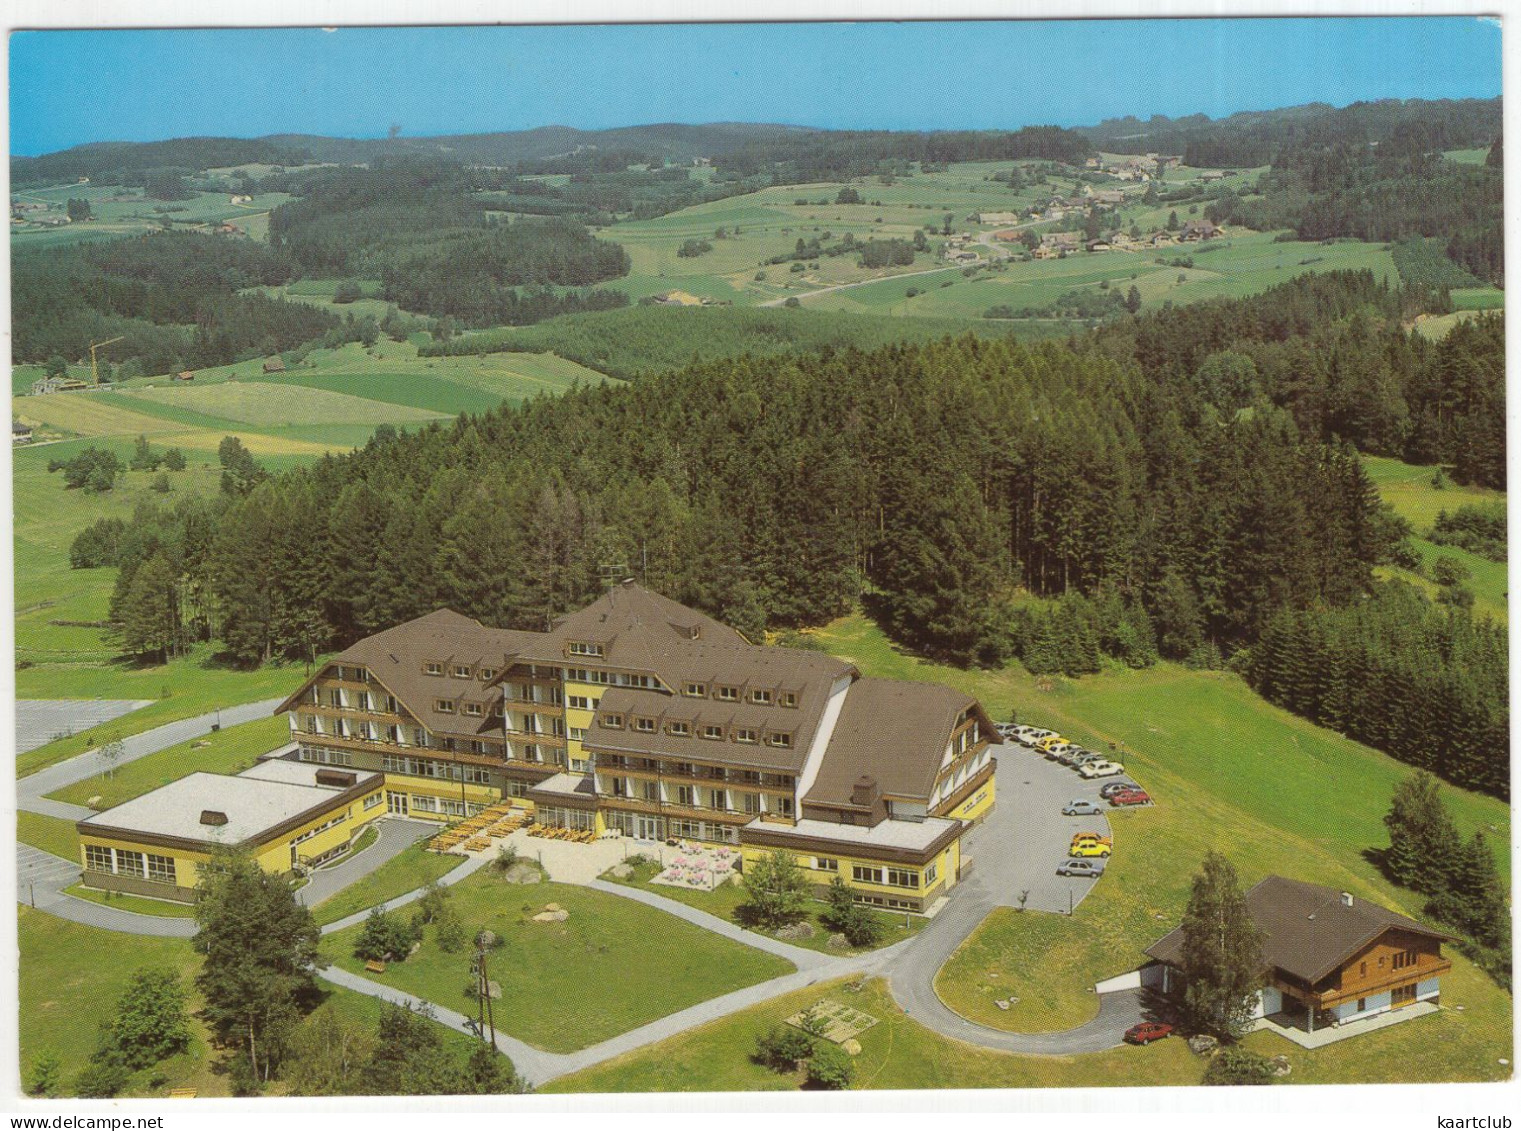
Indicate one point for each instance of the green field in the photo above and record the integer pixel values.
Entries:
(724, 903)
(114, 218)
(612, 966)
(1478, 298)
(51, 834)
(138, 905)
(226, 752)
(408, 870)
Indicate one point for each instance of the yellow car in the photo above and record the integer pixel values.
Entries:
(1092, 838)
(1089, 848)
(1049, 741)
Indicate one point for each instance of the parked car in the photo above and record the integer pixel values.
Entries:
(1148, 1031)
(1101, 770)
(1081, 807)
(1086, 758)
(1051, 739)
(1132, 797)
(1060, 751)
(1080, 868)
(1095, 838)
(1089, 848)
(1005, 730)
(1031, 735)
(1111, 788)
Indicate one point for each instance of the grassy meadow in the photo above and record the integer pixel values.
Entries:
(612, 966)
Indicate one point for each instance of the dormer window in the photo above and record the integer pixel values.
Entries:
(745, 735)
(585, 648)
(780, 739)
(645, 725)
(433, 668)
(461, 671)
(696, 690)
(487, 674)
(615, 721)
(712, 731)
(472, 709)
(726, 693)
(446, 706)
(680, 730)
(789, 699)
(762, 696)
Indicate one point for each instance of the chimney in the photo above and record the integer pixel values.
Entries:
(213, 817)
(1346, 899)
(865, 792)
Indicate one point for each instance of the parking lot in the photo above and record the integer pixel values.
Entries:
(1019, 847)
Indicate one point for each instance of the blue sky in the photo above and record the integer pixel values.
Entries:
(69, 87)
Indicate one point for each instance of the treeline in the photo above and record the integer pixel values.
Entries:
(171, 297)
(1330, 349)
(650, 339)
(1428, 685)
(131, 163)
(804, 158)
(1477, 529)
(937, 479)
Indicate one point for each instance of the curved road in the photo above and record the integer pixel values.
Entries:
(1013, 852)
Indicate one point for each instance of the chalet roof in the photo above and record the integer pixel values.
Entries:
(637, 629)
(1310, 929)
(894, 731)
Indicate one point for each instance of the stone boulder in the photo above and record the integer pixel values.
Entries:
(620, 871)
(799, 930)
(559, 915)
(522, 873)
(1203, 1044)
(838, 941)
(1281, 1066)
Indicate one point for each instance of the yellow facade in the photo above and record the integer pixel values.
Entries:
(577, 720)
(978, 804)
(325, 832)
(936, 875)
(444, 794)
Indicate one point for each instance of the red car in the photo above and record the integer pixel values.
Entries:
(1130, 797)
(1146, 1032)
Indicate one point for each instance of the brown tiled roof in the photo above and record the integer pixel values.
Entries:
(894, 731)
(637, 628)
(396, 657)
(1310, 932)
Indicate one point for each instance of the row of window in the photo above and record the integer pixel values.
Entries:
(345, 700)
(733, 693)
(326, 755)
(353, 675)
(465, 706)
(698, 797)
(643, 724)
(610, 679)
(366, 731)
(443, 806)
(891, 877)
(322, 828)
(429, 768)
(459, 671)
(124, 862)
(614, 762)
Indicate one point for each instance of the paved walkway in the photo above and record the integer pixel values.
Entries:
(397, 834)
(41, 878)
(466, 868)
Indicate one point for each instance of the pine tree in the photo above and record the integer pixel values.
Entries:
(1222, 952)
(775, 890)
(1425, 851)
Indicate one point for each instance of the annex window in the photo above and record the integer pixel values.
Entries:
(585, 648)
(97, 858)
(931, 874)
(579, 702)
(760, 695)
(780, 739)
(472, 709)
(826, 864)
(788, 699)
(864, 875)
(696, 690)
(446, 706)
(131, 864)
(726, 693)
(744, 734)
(712, 731)
(160, 868)
(614, 721)
(902, 878)
(644, 724)
(680, 730)
(433, 668)
(373, 800)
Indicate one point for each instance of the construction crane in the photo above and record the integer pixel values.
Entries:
(95, 368)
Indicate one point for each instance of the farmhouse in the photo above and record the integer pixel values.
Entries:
(285, 814)
(640, 715)
(20, 433)
(1198, 230)
(1332, 959)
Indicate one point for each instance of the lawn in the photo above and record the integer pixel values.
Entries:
(612, 966)
(51, 834)
(134, 903)
(408, 870)
(226, 752)
(724, 903)
(262, 405)
(896, 1053)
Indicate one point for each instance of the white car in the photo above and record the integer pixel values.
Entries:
(1031, 735)
(1101, 770)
